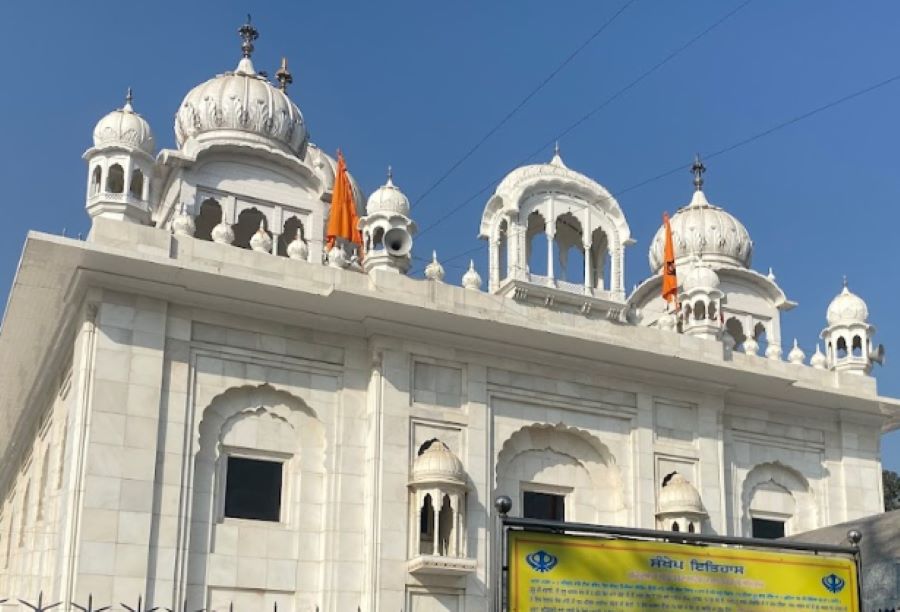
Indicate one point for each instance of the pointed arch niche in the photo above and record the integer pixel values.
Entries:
(275, 430)
(775, 493)
(555, 460)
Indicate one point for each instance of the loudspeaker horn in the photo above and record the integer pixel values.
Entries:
(397, 242)
(877, 355)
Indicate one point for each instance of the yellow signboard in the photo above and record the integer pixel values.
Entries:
(562, 573)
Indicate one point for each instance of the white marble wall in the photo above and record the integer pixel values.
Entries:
(155, 384)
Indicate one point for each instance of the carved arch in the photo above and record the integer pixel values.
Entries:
(789, 479)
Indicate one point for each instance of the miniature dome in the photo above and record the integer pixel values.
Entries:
(298, 249)
(241, 106)
(796, 354)
(471, 279)
(437, 463)
(388, 198)
(700, 276)
(702, 227)
(434, 270)
(124, 128)
(847, 307)
(678, 496)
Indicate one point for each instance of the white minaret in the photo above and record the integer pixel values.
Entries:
(120, 167)
(701, 302)
(387, 229)
(848, 337)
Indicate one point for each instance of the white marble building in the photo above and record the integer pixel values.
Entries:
(199, 404)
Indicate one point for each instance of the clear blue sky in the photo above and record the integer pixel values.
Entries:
(416, 84)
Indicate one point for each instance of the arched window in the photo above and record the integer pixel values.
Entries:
(759, 334)
(841, 347)
(712, 314)
(503, 247)
(736, 329)
(136, 188)
(95, 180)
(536, 244)
(115, 179)
(247, 225)
(675, 526)
(209, 217)
(445, 527)
(426, 527)
(569, 264)
(43, 491)
(687, 312)
(292, 228)
(857, 346)
(690, 527)
(699, 310)
(599, 260)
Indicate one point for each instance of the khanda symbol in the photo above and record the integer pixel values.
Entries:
(541, 561)
(833, 583)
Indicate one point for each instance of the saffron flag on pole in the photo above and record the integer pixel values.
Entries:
(670, 278)
(343, 221)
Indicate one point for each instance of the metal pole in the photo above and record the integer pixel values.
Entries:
(502, 505)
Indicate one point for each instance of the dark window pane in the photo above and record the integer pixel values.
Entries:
(253, 489)
(544, 506)
(770, 530)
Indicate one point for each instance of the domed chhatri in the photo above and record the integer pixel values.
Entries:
(125, 128)
(438, 464)
(388, 198)
(700, 276)
(679, 496)
(242, 105)
(847, 307)
(701, 227)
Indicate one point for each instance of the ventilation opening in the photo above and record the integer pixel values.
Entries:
(253, 489)
(545, 506)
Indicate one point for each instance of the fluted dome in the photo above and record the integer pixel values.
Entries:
(847, 307)
(125, 128)
(388, 198)
(241, 106)
(437, 463)
(701, 227)
(472, 279)
(700, 276)
(679, 496)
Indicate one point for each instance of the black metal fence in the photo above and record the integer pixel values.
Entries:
(90, 606)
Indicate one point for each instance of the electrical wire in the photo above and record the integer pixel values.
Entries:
(592, 112)
(523, 102)
(742, 142)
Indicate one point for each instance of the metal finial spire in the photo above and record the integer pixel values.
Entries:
(284, 76)
(128, 97)
(390, 172)
(697, 168)
(248, 34)
(845, 281)
(556, 148)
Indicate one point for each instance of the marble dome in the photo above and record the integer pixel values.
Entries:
(388, 198)
(701, 227)
(125, 128)
(437, 463)
(700, 276)
(847, 307)
(679, 496)
(241, 106)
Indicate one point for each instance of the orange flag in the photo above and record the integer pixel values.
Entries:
(343, 221)
(670, 279)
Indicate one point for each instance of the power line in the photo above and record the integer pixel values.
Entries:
(594, 110)
(743, 142)
(523, 102)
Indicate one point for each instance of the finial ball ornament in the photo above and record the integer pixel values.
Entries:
(854, 536)
(503, 504)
